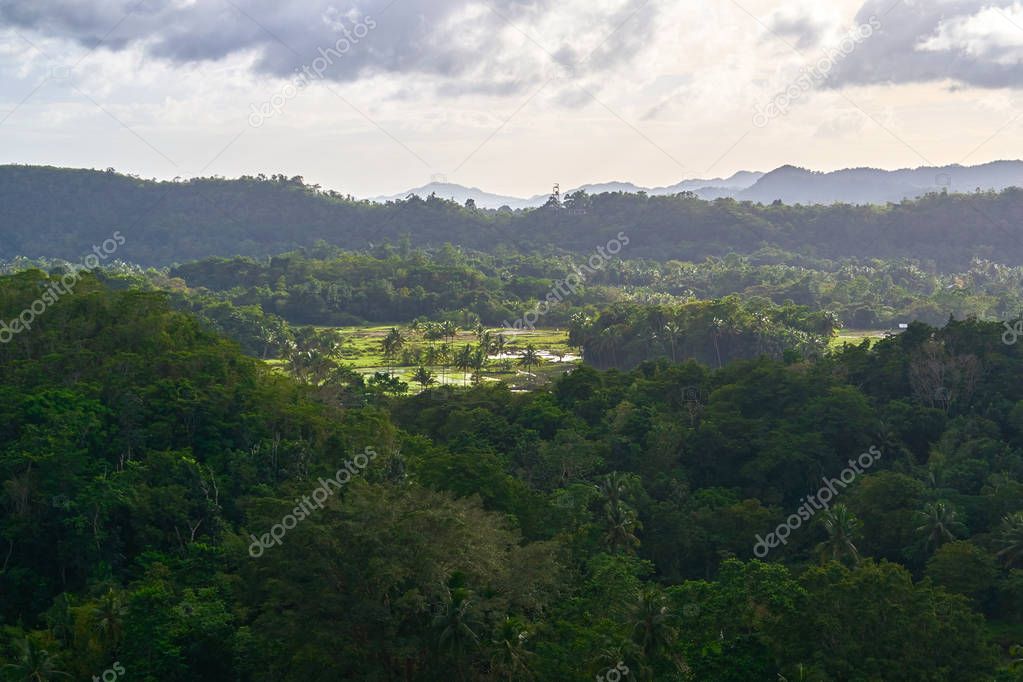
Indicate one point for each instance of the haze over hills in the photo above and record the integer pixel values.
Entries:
(788, 184)
(706, 189)
(792, 185)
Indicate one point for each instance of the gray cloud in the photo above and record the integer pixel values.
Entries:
(800, 28)
(931, 40)
(428, 37)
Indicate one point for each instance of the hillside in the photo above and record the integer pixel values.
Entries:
(63, 213)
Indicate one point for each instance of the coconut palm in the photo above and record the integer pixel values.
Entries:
(608, 343)
(620, 524)
(454, 627)
(433, 332)
(392, 344)
(449, 329)
(620, 520)
(486, 340)
(939, 523)
(479, 361)
(500, 341)
(1011, 539)
(529, 358)
(443, 357)
(652, 631)
(672, 333)
(108, 618)
(511, 659)
(464, 361)
(718, 325)
(843, 529)
(423, 377)
(35, 664)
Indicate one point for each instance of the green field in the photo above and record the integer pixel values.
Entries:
(856, 336)
(361, 349)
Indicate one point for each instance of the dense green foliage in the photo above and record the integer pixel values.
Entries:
(168, 222)
(551, 535)
(250, 299)
(713, 332)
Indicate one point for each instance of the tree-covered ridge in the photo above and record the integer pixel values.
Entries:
(61, 213)
(398, 284)
(711, 332)
(554, 534)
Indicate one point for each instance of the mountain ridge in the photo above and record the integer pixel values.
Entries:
(788, 184)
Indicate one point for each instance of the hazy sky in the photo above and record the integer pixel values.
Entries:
(376, 96)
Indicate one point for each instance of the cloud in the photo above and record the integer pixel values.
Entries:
(803, 29)
(970, 42)
(482, 45)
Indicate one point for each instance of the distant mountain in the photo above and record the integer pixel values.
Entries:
(459, 193)
(788, 184)
(739, 181)
(792, 185)
(705, 189)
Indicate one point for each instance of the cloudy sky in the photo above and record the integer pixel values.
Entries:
(376, 96)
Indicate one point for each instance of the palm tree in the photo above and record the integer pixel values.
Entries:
(608, 344)
(433, 332)
(392, 344)
(443, 356)
(529, 358)
(499, 343)
(297, 361)
(613, 488)
(318, 367)
(35, 665)
(511, 658)
(652, 631)
(454, 629)
(620, 524)
(479, 361)
(939, 524)
(432, 357)
(1011, 539)
(672, 332)
(486, 340)
(620, 521)
(449, 329)
(464, 361)
(107, 617)
(843, 529)
(717, 324)
(424, 377)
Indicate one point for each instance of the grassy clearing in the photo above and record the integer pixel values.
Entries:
(362, 349)
(856, 337)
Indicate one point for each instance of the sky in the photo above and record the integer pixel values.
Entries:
(371, 97)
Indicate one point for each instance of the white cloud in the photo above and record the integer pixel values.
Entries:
(993, 33)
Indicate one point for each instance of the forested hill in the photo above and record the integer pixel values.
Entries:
(612, 521)
(54, 212)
